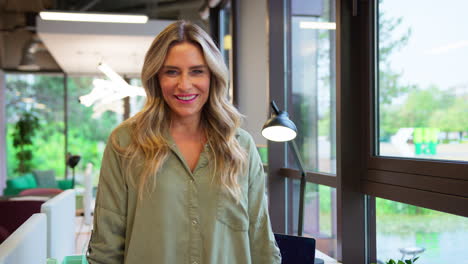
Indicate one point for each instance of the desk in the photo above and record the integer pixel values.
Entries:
(326, 259)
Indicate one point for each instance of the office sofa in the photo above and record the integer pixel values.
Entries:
(14, 214)
(30, 180)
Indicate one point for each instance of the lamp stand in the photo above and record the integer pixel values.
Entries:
(73, 177)
(300, 224)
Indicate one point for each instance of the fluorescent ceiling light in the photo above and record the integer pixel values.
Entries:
(317, 25)
(93, 17)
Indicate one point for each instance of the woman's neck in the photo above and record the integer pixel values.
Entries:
(186, 126)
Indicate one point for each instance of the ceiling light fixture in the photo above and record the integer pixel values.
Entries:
(109, 91)
(28, 60)
(111, 74)
(93, 17)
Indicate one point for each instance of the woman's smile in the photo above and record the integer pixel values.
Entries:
(186, 98)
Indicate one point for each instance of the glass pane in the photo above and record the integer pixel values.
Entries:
(319, 215)
(423, 87)
(311, 102)
(225, 33)
(405, 231)
(136, 102)
(35, 102)
(89, 126)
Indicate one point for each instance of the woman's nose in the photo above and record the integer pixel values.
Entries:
(184, 82)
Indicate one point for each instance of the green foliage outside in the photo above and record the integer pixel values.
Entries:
(392, 217)
(87, 136)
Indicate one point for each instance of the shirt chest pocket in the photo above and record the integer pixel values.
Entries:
(232, 213)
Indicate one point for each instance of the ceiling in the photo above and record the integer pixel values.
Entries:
(77, 47)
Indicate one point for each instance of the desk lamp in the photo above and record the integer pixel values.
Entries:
(72, 161)
(280, 128)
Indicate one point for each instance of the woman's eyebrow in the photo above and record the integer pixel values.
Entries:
(170, 67)
(191, 67)
(198, 66)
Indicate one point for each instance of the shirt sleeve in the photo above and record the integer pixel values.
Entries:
(263, 247)
(107, 243)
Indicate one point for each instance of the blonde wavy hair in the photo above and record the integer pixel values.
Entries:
(219, 118)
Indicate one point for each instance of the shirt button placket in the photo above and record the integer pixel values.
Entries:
(195, 237)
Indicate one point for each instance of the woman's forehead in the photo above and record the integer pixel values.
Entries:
(185, 53)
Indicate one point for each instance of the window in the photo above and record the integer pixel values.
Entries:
(372, 86)
(419, 176)
(433, 236)
(30, 96)
(319, 216)
(226, 45)
(416, 164)
(313, 77)
(83, 131)
(88, 127)
(423, 91)
(310, 101)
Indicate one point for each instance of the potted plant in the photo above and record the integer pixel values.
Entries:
(25, 129)
(406, 261)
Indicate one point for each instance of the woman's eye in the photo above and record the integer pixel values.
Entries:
(171, 72)
(197, 71)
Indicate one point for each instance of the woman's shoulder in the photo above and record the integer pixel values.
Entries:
(122, 134)
(244, 138)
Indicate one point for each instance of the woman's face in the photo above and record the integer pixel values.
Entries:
(185, 81)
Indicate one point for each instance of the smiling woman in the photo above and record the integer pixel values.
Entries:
(181, 182)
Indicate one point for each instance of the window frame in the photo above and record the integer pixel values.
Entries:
(361, 174)
(351, 202)
(435, 184)
(216, 33)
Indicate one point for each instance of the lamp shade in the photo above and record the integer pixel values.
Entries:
(73, 161)
(279, 128)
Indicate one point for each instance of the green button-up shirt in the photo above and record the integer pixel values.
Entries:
(188, 218)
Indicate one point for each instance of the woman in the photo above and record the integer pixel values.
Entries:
(180, 181)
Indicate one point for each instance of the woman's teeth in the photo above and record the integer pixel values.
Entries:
(186, 98)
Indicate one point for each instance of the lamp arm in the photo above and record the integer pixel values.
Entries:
(275, 107)
(297, 156)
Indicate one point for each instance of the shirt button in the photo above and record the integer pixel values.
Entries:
(194, 222)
